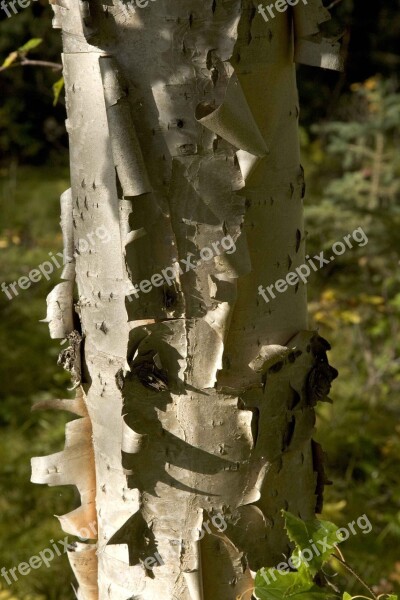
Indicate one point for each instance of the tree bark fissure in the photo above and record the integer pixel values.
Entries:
(200, 396)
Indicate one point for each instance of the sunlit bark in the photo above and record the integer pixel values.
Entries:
(183, 119)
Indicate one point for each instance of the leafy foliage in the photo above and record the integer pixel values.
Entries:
(322, 534)
(21, 52)
(355, 303)
(296, 580)
(31, 129)
(296, 586)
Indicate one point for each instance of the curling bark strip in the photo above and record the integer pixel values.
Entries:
(183, 122)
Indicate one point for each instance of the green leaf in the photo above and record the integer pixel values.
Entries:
(315, 540)
(10, 59)
(30, 45)
(284, 585)
(392, 597)
(277, 585)
(347, 596)
(57, 87)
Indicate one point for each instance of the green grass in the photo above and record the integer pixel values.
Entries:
(29, 205)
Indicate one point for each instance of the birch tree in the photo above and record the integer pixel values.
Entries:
(195, 397)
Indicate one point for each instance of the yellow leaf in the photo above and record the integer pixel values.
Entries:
(10, 59)
(320, 316)
(57, 88)
(30, 45)
(371, 84)
(328, 295)
(375, 300)
(349, 316)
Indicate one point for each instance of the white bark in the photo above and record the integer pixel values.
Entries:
(182, 119)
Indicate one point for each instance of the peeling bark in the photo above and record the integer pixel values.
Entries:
(200, 397)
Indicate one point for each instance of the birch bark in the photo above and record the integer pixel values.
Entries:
(196, 399)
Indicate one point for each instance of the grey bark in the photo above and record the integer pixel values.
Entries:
(198, 398)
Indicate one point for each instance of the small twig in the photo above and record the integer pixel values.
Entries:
(41, 63)
(340, 553)
(26, 62)
(348, 567)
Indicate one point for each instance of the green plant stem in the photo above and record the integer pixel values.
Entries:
(349, 568)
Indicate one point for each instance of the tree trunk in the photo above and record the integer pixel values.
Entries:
(196, 396)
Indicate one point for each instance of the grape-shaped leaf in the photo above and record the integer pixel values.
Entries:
(315, 540)
(286, 585)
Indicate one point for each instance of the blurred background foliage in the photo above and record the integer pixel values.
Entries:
(350, 151)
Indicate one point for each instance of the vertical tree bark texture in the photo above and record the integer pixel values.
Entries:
(195, 399)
